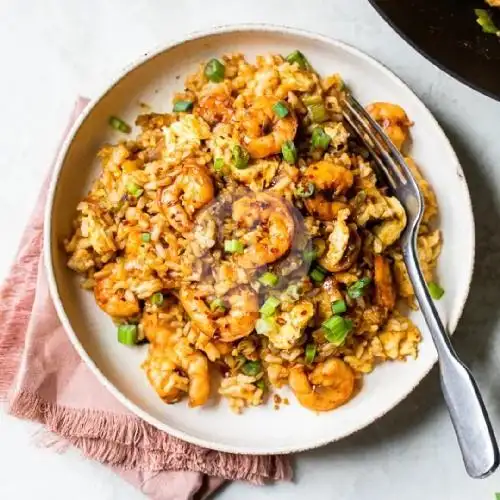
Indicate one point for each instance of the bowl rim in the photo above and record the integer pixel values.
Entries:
(48, 244)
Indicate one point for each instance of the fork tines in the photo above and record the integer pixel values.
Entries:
(387, 157)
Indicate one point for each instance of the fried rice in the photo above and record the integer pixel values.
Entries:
(245, 237)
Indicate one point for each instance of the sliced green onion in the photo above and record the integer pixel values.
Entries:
(297, 57)
(146, 237)
(308, 100)
(359, 288)
(217, 305)
(339, 307)
(127, 334)
(264, 325)
(119, 124)
(269, 279)
(183, 106)
(309, 254)
(320, 139)
(280, 109)
(251, 368)
(240, 157)
(215, 70)
(336, 329)
(485, 20)
(305, 191)
(218, 164)
(261, 384)
(318, 113)
(157, 299)
(269, 307)
(310, 353)
(435, 290)
(134, 189)
(289, 152)
(317, 275)
(233, 246)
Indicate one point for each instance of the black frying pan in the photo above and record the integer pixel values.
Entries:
(446, 32)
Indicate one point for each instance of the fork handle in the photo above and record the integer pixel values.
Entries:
(467, 411)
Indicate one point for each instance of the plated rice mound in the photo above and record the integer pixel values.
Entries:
(245, 237)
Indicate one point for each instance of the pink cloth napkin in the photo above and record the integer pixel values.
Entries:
(43, 379)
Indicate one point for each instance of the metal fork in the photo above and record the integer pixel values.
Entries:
(465, 405)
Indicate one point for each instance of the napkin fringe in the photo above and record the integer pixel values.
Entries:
(130, 443)
(16, 307)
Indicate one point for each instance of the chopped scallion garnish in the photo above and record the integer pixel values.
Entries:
(183, 106)
(269, 307)
(339, 307)
(435, 290)
(218, 164)
(318, 113)
(310, 353)
(485, 20)
(134, 189)
(127, 334)
(317, 274)
(280, 109)
(215, 70)
(297, 57)
(311, 99)
(320, 139)
(309, 254)
(269, 279)
(240, 157)
(336, 329)
(119, 124)
(146, 237)
(359, 288)
(289, 152)
(233, 246)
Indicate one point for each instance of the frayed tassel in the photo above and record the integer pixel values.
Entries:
(128, 442)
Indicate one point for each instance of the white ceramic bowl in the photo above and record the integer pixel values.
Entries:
(153, 80)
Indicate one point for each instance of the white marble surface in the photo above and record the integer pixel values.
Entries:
(53, 50)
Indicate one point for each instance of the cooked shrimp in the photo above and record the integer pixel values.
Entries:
(196, 367)
(242, 316)
(197, 309)
(328, 179)
(111, 296)
(265, 132)
(239, 320)
(165, 368)
(163, 326)
(328, 386)
(393, 119)
(215, 108)
(164, 376)
(275, 226)
(190, 191)
(385, 292)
